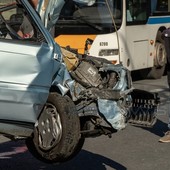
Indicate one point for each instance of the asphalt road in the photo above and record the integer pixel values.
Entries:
(133, 148)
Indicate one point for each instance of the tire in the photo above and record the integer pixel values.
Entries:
(160, 55)
(77, 149)
(157, 71)
(57, 134)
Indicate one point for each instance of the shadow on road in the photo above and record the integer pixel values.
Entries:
(14, 155)
(163, 111)
(158, 129)
(87, 160)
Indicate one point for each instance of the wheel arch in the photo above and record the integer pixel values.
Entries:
(158, 37)
(56, 89)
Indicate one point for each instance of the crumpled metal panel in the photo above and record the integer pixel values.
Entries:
(124, 81)
(111, 102)
(108, 106)
(112, 112)
(63, 79)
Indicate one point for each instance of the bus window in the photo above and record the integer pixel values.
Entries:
(160, 7)
(137, 11)
(94, 19)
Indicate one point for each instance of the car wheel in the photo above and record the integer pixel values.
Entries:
(77, 148)
(57, 132)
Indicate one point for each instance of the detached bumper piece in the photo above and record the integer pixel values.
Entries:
(144, 108)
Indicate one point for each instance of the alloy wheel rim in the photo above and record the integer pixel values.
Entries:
(49, 127)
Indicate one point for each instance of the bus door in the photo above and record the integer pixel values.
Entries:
(137, 33)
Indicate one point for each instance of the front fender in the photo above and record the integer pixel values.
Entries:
(62, 79)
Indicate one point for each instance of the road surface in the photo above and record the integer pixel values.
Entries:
(133, 148)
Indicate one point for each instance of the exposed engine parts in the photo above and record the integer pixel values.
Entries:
(105, 98)
(87, 74)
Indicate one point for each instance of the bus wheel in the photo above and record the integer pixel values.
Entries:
(159, 62)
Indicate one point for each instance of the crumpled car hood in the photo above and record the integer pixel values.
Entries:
(82, 87)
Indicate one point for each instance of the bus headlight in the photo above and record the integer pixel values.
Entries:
(108, 52)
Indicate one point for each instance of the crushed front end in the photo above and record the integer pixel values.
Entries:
(104, 95)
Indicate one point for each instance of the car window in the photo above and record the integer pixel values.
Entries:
(16, 24)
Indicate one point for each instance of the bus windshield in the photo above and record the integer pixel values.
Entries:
(94, 19)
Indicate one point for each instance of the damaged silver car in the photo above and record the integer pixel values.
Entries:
(53, 98)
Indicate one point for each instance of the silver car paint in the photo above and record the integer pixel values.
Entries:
(24, 93)
(26, 73)
(25, 80)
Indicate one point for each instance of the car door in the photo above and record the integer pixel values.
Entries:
(26, 69)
